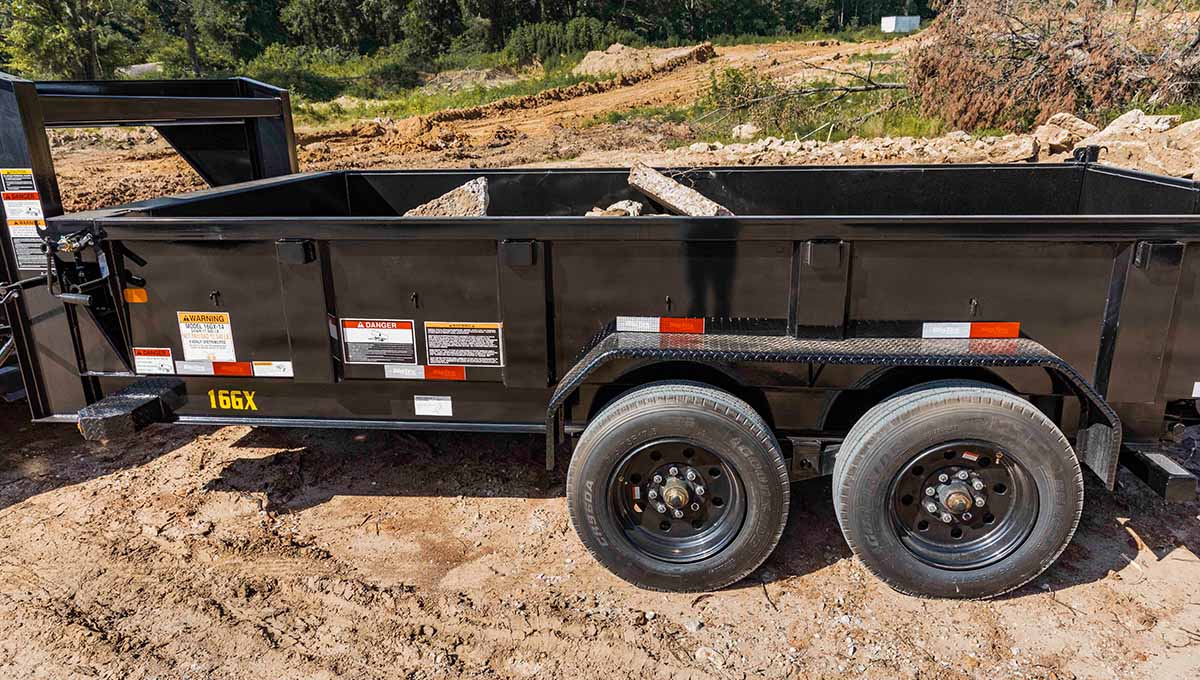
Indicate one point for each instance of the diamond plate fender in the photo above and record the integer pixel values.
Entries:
(1098, 444)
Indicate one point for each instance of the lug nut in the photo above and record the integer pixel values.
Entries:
(662, 509)
(652, 494)
(678, 514)
(930, 491)
(963, 475)
(658, 479)
(674, 471)
(977, 485)
(931, 507)
(691, 475)
(980, 501)
(967, 517)
(695, 507)
(946, 518)
(699, 491)
(943, 478)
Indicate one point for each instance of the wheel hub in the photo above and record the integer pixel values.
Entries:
(963, 505)
(677, 501)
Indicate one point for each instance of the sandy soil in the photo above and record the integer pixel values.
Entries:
(240, 553)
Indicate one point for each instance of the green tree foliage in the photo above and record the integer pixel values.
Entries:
(82, 39)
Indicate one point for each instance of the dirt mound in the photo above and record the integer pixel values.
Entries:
(620, 58)
(470, 78)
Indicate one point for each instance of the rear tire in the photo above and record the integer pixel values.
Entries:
(730, 483)
(1010, 455)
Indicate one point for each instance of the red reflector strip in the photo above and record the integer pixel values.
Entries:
(238, 368)
(996, 330)
(660, 324)
(21, 196)
(962, 330)
(445, 372)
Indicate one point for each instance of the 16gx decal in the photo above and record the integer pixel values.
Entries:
(232, 400)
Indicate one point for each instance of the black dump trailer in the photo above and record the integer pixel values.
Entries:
(954, 345)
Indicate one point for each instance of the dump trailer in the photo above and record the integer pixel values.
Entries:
(955, 345)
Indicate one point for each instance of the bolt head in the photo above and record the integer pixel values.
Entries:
(931, 507)
(699, 491)
(946, 518)
(967, 517)
(963, 475)
(977, 485)
(673, 471)
(691, 475)
(695, 507)
(930, 491)
(980, 501)
(678, 514)
(661, 508)
(658, 479)
(943, 478)
(652, 494)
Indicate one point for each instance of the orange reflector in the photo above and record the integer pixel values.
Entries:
(445, 373)
(136, 296)
(996, 329)
(678, 325)
(241, 368)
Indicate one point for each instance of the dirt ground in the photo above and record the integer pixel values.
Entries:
(241, 553)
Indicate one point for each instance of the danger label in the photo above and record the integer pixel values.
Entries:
(464, 344)
(379, 341)
(153, 361)
(206, 336)
(24, 215)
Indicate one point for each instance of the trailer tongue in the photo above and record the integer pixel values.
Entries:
(954, 345)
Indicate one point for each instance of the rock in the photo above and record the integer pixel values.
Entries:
(1076, 127)
(1133, 124)
(1054, 139)
(672, 195)
(709, 655)
(746, 131)
(1014, 149)
(699, 147)
(619, 209)
(693, 625)
(469, 200)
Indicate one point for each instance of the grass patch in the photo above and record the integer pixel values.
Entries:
(665, 114)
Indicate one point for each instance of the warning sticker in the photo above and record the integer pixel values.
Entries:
(379, 341)
(153, 361)
(273, 369)
(23, 211)
(207, 336)
(441, 407)
(464, 344)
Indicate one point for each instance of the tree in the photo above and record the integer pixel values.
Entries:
(359, 25)
(78, 39)
(430, 25)
(210, 30)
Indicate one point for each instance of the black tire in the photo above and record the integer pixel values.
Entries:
(702, 419)
(879, 453)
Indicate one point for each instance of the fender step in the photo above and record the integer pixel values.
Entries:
(131, 409)
(1167, 478)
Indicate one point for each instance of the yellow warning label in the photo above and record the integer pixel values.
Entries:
(204, 317)
(27, 223)
(457, 324)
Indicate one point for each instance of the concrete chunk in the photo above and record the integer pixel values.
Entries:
(673, 195)
(469, 200)
(618, 209)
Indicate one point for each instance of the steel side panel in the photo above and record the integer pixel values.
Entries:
(1145, 322)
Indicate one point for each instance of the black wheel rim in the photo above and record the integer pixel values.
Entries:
(645, 494)
(949, 528)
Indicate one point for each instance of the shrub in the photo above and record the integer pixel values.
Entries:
(295, 68)
(543, 41)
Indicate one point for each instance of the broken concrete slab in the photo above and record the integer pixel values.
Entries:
(469, 200)
(673, 195)
(619, 209)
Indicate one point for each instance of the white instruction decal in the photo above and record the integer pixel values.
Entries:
(207, 336)
(153, 361)
(379, 341)
(23, 212)
(464, 344)
(441, 407)
(194, 367)
(273, 369)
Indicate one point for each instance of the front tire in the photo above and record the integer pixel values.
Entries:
(961, 492)
(678, 487)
